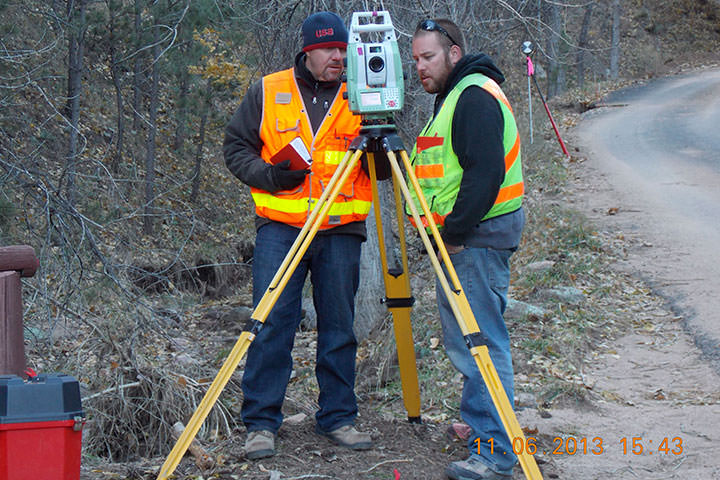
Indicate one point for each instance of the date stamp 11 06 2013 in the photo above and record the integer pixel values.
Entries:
(590, 446)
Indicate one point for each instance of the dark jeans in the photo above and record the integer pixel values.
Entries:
(334, 265)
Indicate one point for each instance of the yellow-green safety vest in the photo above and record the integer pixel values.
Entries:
(436, 164)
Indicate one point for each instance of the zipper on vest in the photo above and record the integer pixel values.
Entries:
(310, 199)
(327, 115)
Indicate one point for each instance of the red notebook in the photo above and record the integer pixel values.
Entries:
(296, 152)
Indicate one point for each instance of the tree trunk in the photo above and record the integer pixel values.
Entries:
(615, 46)
(76, 40)
(137, 69)
(116, 74)
(152, 130)
(119, 143)
(369, 310)
(560, 79)
(182, 104)
(553, 49)
(582, 45)
(201, 143)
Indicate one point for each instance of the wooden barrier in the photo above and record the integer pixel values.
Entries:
(16, 261)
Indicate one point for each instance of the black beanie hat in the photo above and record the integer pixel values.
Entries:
(324, 30)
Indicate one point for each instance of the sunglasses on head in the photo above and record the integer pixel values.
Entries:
(433, 26)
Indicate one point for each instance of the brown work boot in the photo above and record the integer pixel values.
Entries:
(348, 437)
(260, 444)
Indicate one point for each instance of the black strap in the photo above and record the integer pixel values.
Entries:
(406, 302)
(476, 339)
(253, 326)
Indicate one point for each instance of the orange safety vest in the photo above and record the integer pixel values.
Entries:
(284, 118)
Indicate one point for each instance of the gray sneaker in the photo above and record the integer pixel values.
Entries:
(260, 444)
(348, 437)
(474, 469)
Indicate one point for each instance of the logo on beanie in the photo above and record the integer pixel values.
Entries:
(324, 32)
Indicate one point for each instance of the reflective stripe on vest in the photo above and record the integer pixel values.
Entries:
(436, 165)
(284, 118)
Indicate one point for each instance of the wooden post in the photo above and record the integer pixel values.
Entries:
(15, 261)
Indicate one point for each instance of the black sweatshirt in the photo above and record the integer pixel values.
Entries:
(477, 138)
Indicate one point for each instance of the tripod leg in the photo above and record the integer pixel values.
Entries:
(327, 197)
(399, 301)
(208, 401)
(464, 316)
(262, 310)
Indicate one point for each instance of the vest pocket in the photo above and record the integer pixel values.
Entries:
(430, 171)
(287, 125)
(423, 143)
(325, 169)
(339, 141)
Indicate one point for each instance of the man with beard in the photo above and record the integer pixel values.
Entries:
(467, 159)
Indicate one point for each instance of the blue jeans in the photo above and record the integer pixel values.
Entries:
(484, 274)
(334, 263)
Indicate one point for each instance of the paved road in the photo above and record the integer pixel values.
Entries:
(657, 151)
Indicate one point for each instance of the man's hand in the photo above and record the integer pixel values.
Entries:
(453, 249)
(286, 179)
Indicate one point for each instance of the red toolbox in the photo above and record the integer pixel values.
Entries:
(41, 424)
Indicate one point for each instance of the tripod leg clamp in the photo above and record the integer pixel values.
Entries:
(476, 339)
(359, 143)
(399, 302)
(253, 326)
(393, 143)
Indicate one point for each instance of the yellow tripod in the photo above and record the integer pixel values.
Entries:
(398, 296)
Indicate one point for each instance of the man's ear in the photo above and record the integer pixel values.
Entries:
(455, 54)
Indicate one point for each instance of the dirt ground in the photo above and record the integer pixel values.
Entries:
(650, 390)
(401, 450)
(653, 410)
(655, 399)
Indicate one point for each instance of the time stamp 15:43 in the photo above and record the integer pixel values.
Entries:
(591, 446)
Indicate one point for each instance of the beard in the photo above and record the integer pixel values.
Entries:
(438, 84)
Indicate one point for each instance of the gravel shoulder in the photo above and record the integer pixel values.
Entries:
(655, 393)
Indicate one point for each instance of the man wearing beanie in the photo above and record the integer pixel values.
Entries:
(306, 102)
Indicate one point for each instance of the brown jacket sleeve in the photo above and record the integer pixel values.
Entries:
(242, 144)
